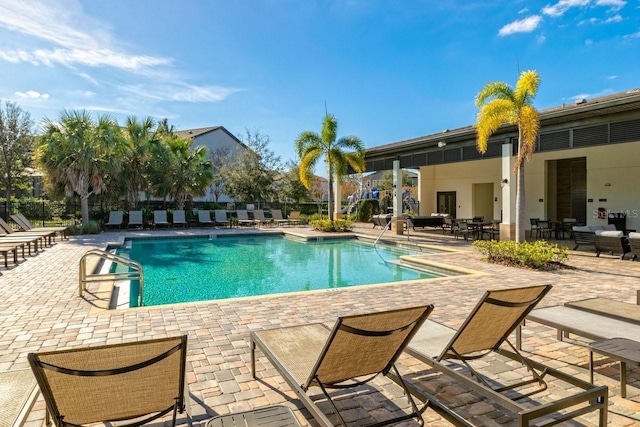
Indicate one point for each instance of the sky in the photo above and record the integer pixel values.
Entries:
(389, 70)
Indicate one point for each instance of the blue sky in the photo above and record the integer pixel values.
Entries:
(388, 70)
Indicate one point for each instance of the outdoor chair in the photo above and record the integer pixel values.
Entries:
(204, 217)
(534, 226)
(611, 241)
(135, 219)
(179, 219)
(484, 331)
(134, 383)
(544, 229)
(462, 229)
(7, 248)
(160, 219)
(567, 227)
(18, 394)
(351, 354)
(493, 232)
(26, 225)
(45, 236)
(34, 243)
(221, 218)
(243, 218)
(259, 218)
(447, 224)
(295, 219)
(634, 245)
(276, 216)
(115, 219)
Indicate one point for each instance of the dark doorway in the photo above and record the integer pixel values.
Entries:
(571, 189)
(447, 203)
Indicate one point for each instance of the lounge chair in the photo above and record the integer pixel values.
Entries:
(221, 218)
(33, 243)
(160, 219)
(122, 382)
(204, 217)
(135, 219)
(485, 330)
(19, 393)
(11, 248)
(179, 219)
(358, 346)
(613, 242)
(634, 245)
(115, 219)
(259, 218)
(26, 225)
(243, 218)
(46, 237)
(294, 218)
(271, 416)
(276, 216)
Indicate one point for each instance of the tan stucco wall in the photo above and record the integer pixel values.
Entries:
(615, 164)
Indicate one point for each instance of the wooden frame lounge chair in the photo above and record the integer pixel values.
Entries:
(160, 219)
(32, 242)
(355, 351)
(115, 219)
(634, 245)
(613, 242)
(179, 218)
(220, 218)
(486, 329)
(243, 218)
(7, 248)
(135, 382)
(135, 219)
(204, 217)
(26, 225)
(47, 236)
(276, 216)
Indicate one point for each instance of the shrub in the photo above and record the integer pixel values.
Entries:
(92, 227)
(338, 225)
(368, 208)
(539, 255)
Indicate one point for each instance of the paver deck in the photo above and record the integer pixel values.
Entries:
(40, 310)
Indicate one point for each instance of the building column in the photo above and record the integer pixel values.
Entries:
(398, 219)
(508, 183)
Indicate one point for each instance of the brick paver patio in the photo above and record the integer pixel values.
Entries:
(40, 310)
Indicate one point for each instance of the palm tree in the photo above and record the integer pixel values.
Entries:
(80, 154)
(310, 147)
(179, 170)
(132, 179)
(513, 106)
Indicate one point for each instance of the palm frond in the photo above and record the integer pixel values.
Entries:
(305, 141)
(307, 165)
(493, 90)
(329, 129)
(490, 117)
(527, 87)
(529, 125)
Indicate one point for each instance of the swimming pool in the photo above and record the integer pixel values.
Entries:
(197, 269)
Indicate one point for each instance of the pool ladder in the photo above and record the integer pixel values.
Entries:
(134, 271)
(386, 227)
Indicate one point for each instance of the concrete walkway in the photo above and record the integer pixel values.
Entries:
(40, 310)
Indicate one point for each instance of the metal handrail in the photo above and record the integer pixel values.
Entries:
(386, 227)
(136, 274)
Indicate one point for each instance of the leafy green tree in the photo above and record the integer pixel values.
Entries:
(177, 169)
(219, 157)
(311, 146)
(132, 179)
(81, 154)
(250, 175)
(16, 147)
(500, 104)
(386, 182)
(289, 187)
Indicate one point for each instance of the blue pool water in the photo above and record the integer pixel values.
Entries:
(199, 269)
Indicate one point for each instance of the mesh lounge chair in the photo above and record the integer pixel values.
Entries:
(243, 218)
(179, 219)
(259, 218)
(160, 219)
(357, 346)
(294, 218)
(276, 216)
(115, 219)
(486, 329)
(204, 217)
(26, 225)
(221, 218)
(19, 392)
(135, 219)
(123, 382)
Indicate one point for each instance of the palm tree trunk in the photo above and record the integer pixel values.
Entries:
(520, 206)
(330, 192)
(84, 208)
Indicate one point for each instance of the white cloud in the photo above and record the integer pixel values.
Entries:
(588, 42)
(525, 10)
(562, 6)
(541, 39)
(181, 92)
(525, 25)
(632, 35)
(614, 18)
(613, 4)
(612, 77)
(32, 94)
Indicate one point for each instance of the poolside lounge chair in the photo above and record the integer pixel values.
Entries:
(485, 330)
(19, 394)
(270, 416)
(259, 218)
(221, 218)
(8, 248)
(634, 245)
(33, 243)
(358, 346)
(46, 237)
(204, 217)
(135, 219)
(160, 219)
(115, 219)
(610, 241)
(179, 219)
(294, 218)
(243, 218)
(26, 225)
(276, 216)
(119, 382)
